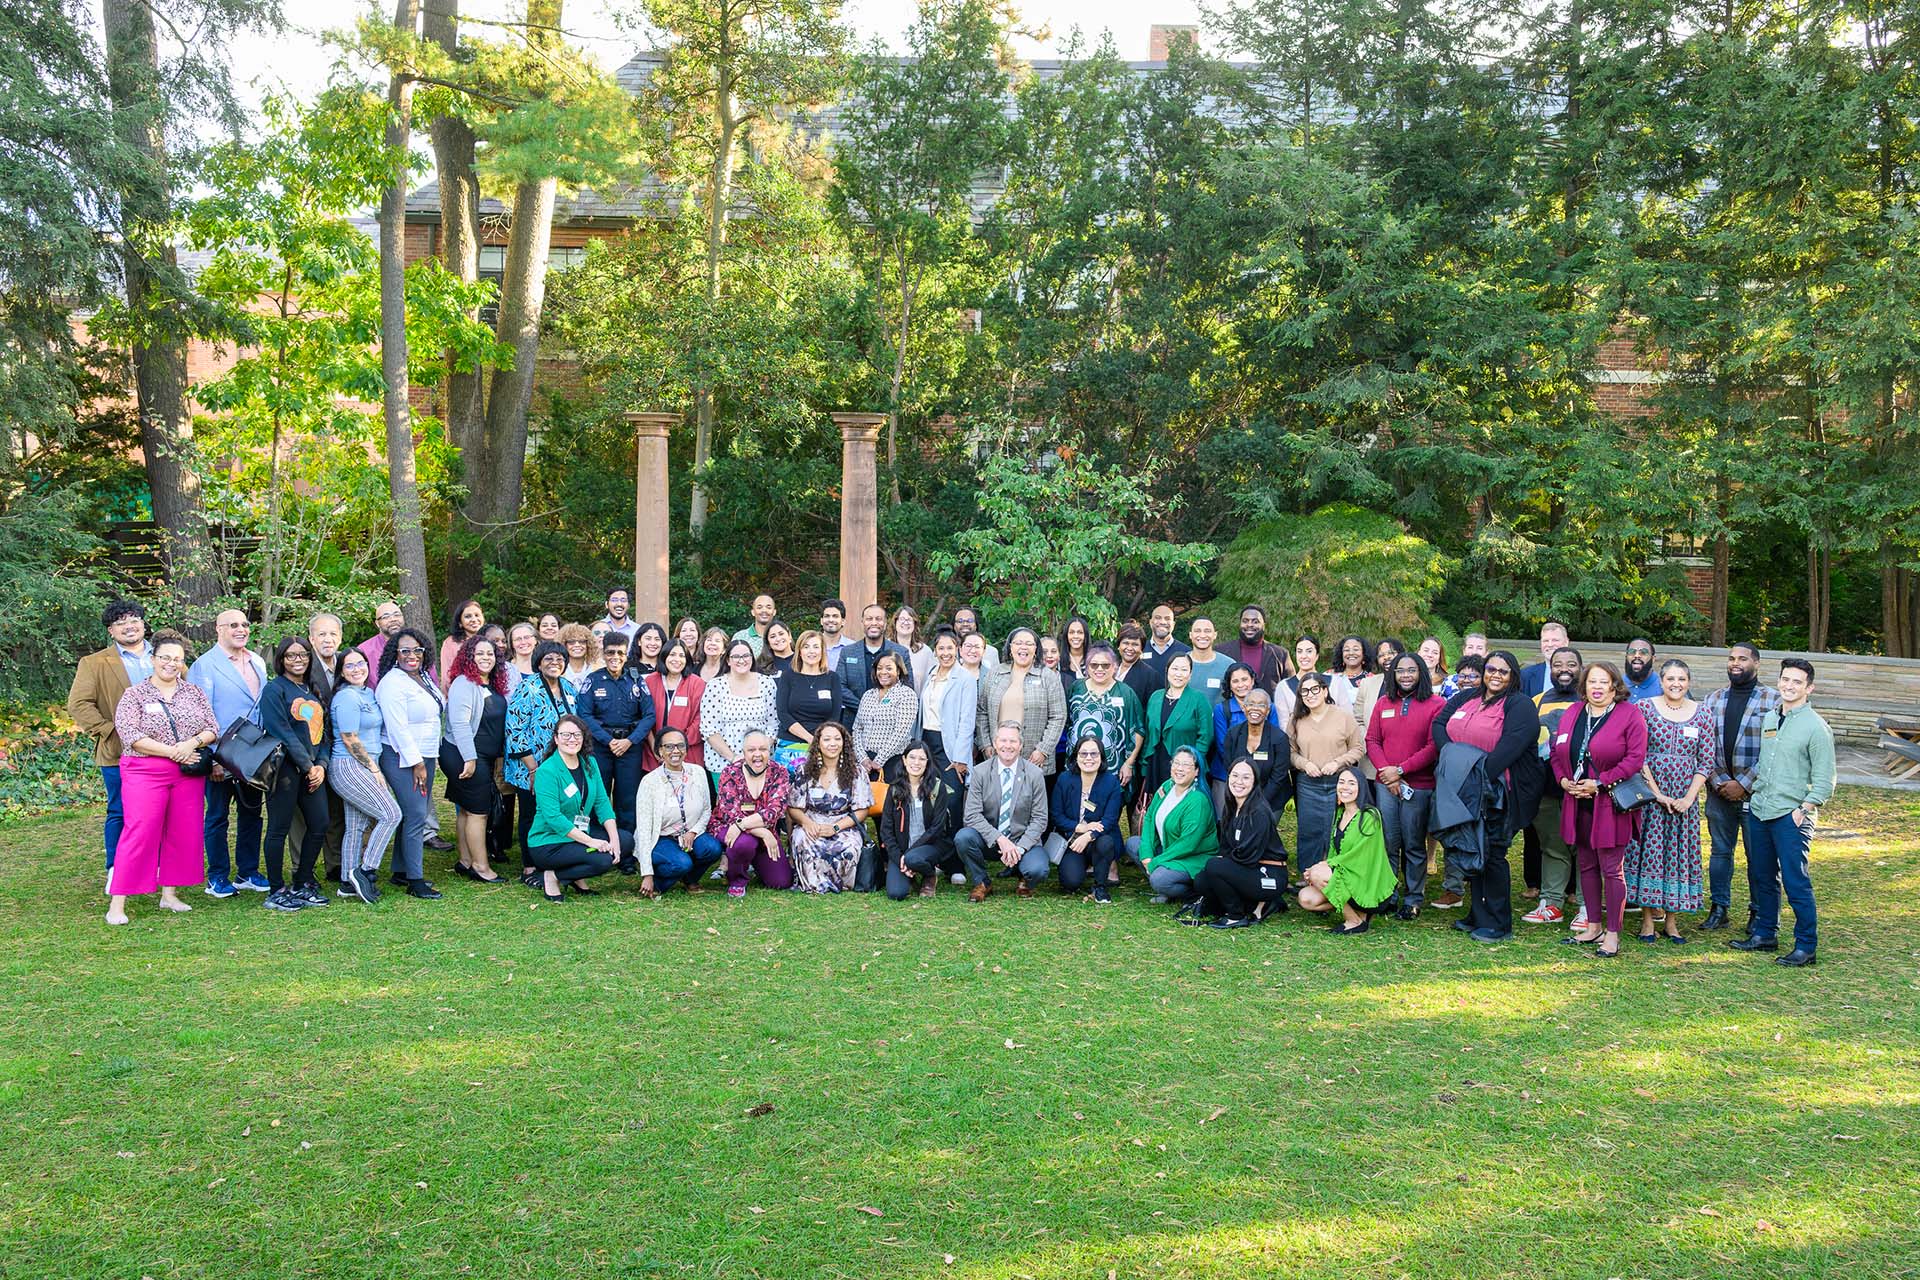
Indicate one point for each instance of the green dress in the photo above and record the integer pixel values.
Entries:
(1358, 857)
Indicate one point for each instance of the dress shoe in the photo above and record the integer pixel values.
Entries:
(422, 889)
(1754, 942)
(979, 892)
(1464, 926)
(1025, 890)
(1489, 935)
(1716, 919)
(438, 844)
(1796, 959)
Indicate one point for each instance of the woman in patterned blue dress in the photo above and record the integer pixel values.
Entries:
(1663, 860)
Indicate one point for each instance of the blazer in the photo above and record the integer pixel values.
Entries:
(1189, 724)
(98, 682)
(1043, 715)
(937, 811)
(850, 673)
(214, 674)
(959, 709)
(1067, 798)
(1191, 837)
(554, 810)
(1029, 801)
(1273, 776)
(1614, 754)
(679, 710)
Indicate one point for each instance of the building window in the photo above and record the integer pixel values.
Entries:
(493, 266)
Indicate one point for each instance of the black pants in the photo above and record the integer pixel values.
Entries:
(572, 861)
(1490, 890)
(923, 860)
(289, 795)
(621, 775)
(526, 820)
(1235, 889)
(1530, 857)
(1101, 853)
(938, 761)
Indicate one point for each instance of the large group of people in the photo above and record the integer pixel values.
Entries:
(892, 756)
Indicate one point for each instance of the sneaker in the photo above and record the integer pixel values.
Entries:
(736, 891)
(1447, 901)
(255, 883)
(1545, 913)
(959, 877)
(283, 900)
(422, 889)
(1101, 896)
(1159, 899)
(309, 895)
(363, 886)
(1579, 920)
(220, 887)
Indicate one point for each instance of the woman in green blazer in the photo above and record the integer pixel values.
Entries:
(568, 800)
(1177, 834)
(1177, 716)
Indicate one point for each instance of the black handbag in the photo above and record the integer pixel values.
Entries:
(1631, 794)
(203, 759)
(250, 754)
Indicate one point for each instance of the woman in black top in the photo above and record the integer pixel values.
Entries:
(1263, 744)
(295, 715)
(917, 822)
(1512, 761)
(777, 655)
(807, 698)
(649, 642)
(1247, 880)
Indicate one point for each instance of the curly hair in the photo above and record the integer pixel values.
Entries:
(390, 656)
(464, 665)
(575, 631)
(843, 767)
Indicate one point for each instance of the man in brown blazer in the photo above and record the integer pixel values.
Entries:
(97, 685)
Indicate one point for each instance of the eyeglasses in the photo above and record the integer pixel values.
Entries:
(1099, 666)
(406, 649)
(235, 626)
(1499, 671)
(1639, 650)
(567, 735)
(672, 748)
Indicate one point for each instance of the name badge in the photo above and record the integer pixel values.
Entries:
(580, 822)
(680, 700)
(823, 693)
(1259, 755)
(1691, 731)
(1236, 835)
(1116, 701)
(1213, 682)
(571, 791)
(1386, 714)
(1461, 714)
(1561, 738)
(600, 693)
(1769, 733)
(1267, 881)
(152, 709)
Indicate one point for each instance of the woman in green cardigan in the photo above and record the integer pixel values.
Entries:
(1177, 716)
(568, 798)
(1356, 877)
(1177, 835)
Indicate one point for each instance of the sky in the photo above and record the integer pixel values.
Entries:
(299, 59)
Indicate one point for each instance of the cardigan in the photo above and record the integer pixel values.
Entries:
(1189, 724)
(466, 704)
(1191, 837)
(1272, 763)
(882, 730)
(1043, 713)
(532, 714)
(653, 802)
(1614, 753)
(1400, 735)
(557, 800)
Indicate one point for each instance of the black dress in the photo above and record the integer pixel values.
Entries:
(478, 794)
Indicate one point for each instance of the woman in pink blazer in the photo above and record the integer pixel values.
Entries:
(1596, 747)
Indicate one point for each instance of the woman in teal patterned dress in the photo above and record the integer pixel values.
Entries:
(1663, 860)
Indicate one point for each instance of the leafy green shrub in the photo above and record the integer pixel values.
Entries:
(45, 764)
(1337, 570)
(51, 590)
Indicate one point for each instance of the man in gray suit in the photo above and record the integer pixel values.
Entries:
(1007, 814)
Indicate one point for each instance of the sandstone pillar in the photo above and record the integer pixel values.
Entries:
(650, 515)
(859, 509)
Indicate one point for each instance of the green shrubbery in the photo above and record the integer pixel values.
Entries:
(45, 764)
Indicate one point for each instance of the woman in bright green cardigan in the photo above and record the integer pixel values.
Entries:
(1356, 877)
(1177, 835)
(568, 799)
(1177, 716)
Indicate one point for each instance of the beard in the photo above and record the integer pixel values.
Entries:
(1637, 670)
(1563, 682)
(1743, 679)
(1255, 636)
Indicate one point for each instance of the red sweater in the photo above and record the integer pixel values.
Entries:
(1401, 734)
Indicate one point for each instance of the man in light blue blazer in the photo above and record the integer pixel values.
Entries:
(232, 676)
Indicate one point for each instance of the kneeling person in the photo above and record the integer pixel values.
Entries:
(1007, 814)
(568, 799)
(672, 807)
(917, 822)
(1356, 877)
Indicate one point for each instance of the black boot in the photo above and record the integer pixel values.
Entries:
(1716, 919)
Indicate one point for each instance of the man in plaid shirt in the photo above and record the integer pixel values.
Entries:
(1736, 712)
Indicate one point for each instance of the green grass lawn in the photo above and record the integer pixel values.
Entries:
(796, 1087)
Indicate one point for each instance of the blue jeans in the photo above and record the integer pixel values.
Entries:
(673, 865)
(1777, 854)
(222, 798)
(408, 860)
(1724, 818)
(116, 821)
(1313, 808)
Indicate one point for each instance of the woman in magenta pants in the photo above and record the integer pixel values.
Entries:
(1602, 744)
(166, 724)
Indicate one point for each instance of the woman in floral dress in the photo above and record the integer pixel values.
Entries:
(829, 809)
(1663, 860)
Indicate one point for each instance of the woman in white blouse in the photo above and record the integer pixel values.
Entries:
(411, 711)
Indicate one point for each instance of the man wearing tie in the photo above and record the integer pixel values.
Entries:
(232, 676)
(98, 682)
(1006, 814)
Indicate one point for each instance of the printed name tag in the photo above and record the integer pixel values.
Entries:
(680, 701)
(152, 709)
(571, 791)
(1116, 701)
(1267, 881)
(1386, 714)
(1213, 682)
(1561, 738)
(1769, 733)
(1461, 714)
(823, 693)
(1259, 755)
(599, 693)
(1691, 731)
(1236, 835)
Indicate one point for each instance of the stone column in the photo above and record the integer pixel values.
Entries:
(650, 515)
(859, 509)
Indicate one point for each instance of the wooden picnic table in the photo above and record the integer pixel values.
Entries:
(1900, 740)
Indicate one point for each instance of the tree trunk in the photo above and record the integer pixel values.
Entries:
(1897, 608)
(409, 537)
(453, 161)
(1819, 596)
(159, 351)
(1718, 591)
(908, 288)
(719, 197)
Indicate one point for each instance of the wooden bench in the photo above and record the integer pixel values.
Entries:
(1900, 739)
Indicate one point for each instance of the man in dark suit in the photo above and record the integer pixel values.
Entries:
(853, 668)
(1534, 677)
(98, 682)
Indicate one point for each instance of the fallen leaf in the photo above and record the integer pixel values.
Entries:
(421, 1185)
(216, 1182)
(867, 1208)
(754, 1208)
(306, 1146)
(1764, 1225)
(760, 1109)
(247, 1132)
(1078, 1116)
(1705, 1212)
(273, 1124)
(124, 1155)
(1215, 1114)
(1449, 1097)
(1846, 1137)
(1012, 1045)
(1647, 1093)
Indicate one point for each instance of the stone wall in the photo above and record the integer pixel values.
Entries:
(1850, 691)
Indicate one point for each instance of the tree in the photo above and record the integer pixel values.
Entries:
(1056, 531)
(917, 133)
(734, 68)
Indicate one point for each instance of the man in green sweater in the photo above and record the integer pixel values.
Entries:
(1793, 778)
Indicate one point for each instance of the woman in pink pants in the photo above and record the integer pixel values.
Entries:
(165, 724)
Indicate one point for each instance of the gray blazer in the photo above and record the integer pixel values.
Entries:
(1042, 721)
(1029, 802)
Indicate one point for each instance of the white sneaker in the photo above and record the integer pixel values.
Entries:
(959, 877)
(1579, 920)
